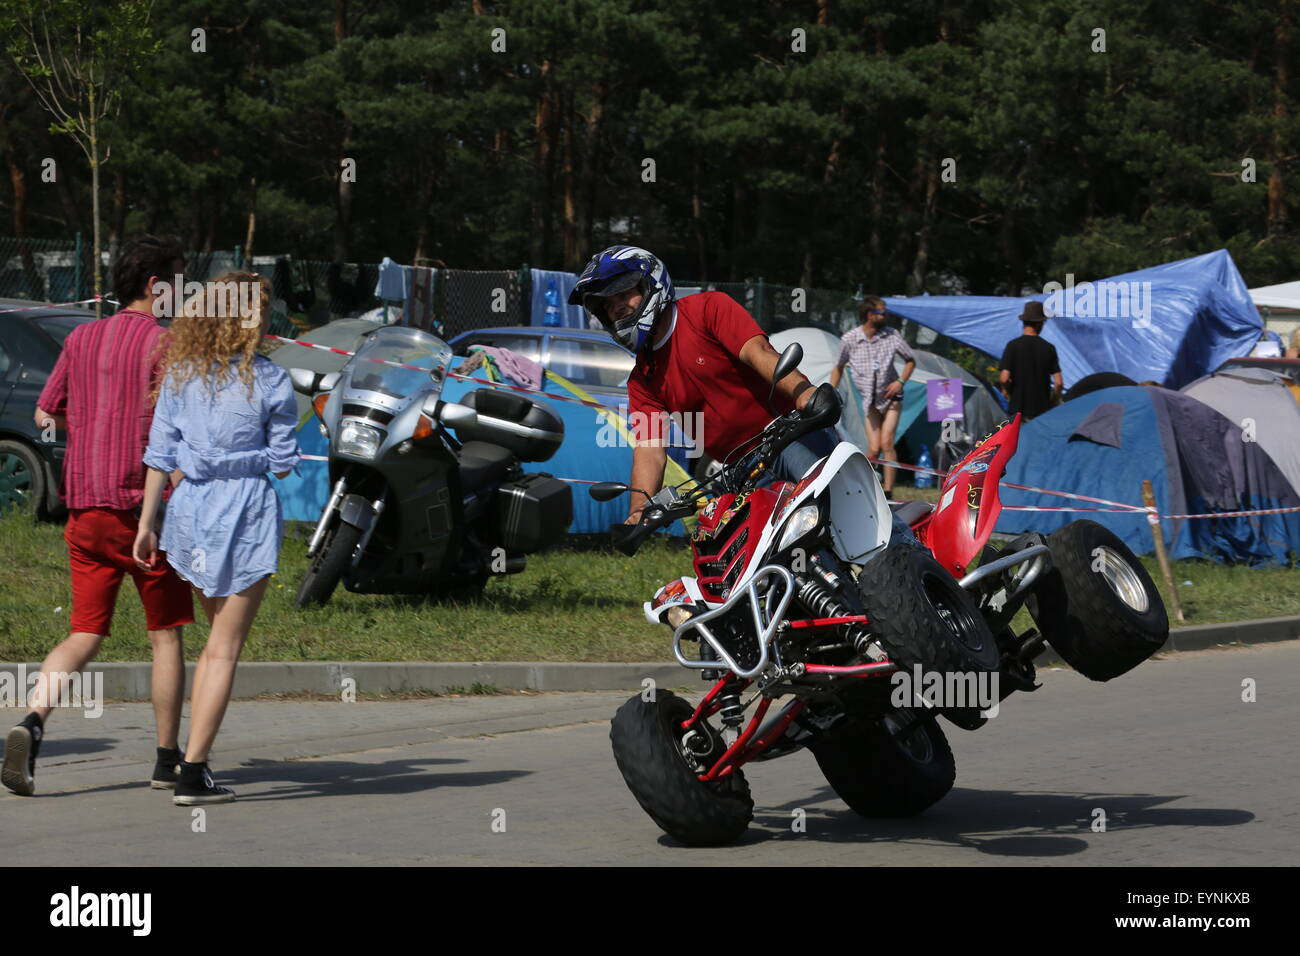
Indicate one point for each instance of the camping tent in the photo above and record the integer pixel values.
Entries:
(1260, 402)
(1104, 444)
(820, 350)
(1170, 324)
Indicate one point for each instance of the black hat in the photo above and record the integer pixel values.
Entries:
(1033, 313)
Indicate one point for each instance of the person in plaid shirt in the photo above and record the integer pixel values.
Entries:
(99, 390)
(869, 351)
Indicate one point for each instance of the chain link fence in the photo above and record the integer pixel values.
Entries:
(310, 293)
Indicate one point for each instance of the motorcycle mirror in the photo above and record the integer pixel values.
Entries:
(606, 490)
(451, 414)
(787, 363)
(328, 381)
(303, 380)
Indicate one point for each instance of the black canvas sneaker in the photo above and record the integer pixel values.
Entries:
(195, 787)
(21, 747)
(166, 769)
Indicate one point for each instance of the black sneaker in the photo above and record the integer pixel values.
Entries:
(166, 769)
(195, 787)
(21, 747)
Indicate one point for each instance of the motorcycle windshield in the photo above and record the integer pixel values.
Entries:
(399, 362)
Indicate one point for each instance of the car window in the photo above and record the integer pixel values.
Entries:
(586, 362)
(61, 326)
(529, 346)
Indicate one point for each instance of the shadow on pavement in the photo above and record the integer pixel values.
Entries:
(332, 778)
(1048, 823)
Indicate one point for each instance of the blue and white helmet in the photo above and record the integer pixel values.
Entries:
(618, 269)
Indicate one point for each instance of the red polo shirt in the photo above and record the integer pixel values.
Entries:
(699, 370)
(102, 383)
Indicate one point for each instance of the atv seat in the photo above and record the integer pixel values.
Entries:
(482, 464)
(910, 512)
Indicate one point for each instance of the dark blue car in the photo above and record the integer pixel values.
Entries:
(31, 337)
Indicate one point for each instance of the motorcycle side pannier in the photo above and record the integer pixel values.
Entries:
(533, 512)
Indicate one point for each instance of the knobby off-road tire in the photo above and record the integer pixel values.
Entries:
(328, 564)
(920, 615)
(1102, 622)
(646, 739)
(880, 774)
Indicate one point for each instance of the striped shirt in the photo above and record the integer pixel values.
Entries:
(101, 382)
(871, 361)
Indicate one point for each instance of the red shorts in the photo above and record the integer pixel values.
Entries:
(99, 552)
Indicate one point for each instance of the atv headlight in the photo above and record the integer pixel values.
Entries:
(359, 439)
(799, 524)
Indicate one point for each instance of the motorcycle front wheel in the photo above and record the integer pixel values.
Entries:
(328, 564)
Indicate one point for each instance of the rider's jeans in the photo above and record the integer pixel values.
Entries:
(793, 463)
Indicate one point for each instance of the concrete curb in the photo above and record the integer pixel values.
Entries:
(130, 680)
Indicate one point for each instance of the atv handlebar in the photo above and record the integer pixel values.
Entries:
(821, 411)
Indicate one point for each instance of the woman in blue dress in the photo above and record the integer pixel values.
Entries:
(225, 417)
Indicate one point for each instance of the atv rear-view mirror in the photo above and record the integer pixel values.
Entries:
(787, 363)
(607, 490)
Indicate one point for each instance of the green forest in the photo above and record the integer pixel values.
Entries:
(981, 147)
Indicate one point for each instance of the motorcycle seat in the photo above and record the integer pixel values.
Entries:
(482, 464)
(910, 512)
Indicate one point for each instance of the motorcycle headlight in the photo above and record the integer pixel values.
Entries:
(799, 524)
(359, 439)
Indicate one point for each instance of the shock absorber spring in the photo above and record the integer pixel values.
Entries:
(819, 599)
(822, 602)
(731, 712)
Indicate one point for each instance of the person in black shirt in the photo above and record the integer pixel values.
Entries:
(1031, 374)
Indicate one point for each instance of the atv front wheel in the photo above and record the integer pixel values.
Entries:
(886, 768)
(920, 614)
(1097, 606)
(663, 776)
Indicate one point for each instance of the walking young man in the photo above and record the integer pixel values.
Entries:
(100, 387)
(869, 351)
(1031, 372)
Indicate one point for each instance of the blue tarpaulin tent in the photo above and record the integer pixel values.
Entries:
(1105, 443)
(1170, 324)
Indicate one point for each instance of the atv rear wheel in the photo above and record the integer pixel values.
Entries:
(647, 741)
(880, 772)
(1097, 606)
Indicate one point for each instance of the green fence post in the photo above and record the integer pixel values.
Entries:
(76, 275)
(239, 256)
(525, 295)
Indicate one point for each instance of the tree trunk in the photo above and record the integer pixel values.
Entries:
(920, 264)
(570, 237)
(17, 179)
(542, 130)
(252, 224)
(343, 215)
(94, 191)
(1277, 211)
(117, 225)
(877, 214)
(590, 153)
(697, 217)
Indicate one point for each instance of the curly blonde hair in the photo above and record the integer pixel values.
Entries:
(215, 327)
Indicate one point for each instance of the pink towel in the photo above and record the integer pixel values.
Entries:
(518, 368)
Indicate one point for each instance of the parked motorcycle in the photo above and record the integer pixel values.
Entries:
(414, 509)
(803, 592)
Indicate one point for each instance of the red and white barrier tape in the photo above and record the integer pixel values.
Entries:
(52, 305)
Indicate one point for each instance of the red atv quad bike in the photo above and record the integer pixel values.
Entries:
(811, 600)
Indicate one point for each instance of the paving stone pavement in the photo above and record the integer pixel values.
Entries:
(1185, 771)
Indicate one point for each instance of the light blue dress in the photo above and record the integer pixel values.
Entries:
(223, 524)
